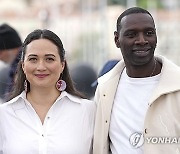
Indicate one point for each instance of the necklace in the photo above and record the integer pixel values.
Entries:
(154, 68)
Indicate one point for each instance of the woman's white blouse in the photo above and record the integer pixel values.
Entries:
(67, 129)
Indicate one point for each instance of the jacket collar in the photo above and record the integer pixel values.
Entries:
(116, 71)
(108, 85)
(169, 79)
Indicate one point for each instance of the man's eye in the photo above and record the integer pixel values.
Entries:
(130, 34)
(150, 33)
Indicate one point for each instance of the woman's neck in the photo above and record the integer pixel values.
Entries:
(43, 96)
(42, 100)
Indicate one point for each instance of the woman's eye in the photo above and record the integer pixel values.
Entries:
(33, 59)
(49, 59)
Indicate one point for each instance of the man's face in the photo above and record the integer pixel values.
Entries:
(137, 39)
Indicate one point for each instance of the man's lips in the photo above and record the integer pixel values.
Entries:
(41, 75)
(141, 52)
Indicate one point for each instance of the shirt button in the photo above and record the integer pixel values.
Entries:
(48, 117)
(42, 135)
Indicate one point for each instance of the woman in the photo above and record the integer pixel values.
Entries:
(46, 114)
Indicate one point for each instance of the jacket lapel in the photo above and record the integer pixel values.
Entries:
(109, 89)
(168, 80)
(108, 96)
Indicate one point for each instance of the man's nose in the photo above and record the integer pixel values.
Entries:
(141, 39)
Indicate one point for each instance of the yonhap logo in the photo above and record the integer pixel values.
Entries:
(136, 140)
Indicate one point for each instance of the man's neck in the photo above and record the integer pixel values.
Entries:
(144, 71)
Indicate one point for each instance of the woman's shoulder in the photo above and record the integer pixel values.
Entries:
(88, 103)
(5, 106)
(84, 102)
(74, 98)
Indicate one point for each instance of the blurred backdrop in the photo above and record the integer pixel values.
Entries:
(86, 26)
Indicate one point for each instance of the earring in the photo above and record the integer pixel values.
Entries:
(25, 85)
(61, 85)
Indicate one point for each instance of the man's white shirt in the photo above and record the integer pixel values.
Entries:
(129, 110)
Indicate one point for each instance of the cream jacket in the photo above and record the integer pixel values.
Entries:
(162, 118)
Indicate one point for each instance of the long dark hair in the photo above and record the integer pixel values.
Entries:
(20, 76)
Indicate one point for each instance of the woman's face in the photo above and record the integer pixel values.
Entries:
(42, 65)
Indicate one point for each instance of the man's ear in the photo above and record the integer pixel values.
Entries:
(116, 39)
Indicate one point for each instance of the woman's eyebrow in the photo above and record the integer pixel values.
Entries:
(50, 55)
(32, 55)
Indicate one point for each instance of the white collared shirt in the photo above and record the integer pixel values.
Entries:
(67, 129)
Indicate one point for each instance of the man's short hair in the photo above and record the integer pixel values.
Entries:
(129, 11)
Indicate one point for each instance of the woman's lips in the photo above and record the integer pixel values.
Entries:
(41, 75)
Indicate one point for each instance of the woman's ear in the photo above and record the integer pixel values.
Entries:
(63, 64)
(22, 65)
(116, 39)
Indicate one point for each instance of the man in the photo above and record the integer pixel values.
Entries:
(138, 101)
(10, 44)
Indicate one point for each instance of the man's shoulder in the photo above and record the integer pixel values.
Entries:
(168, 65)
(170, 76)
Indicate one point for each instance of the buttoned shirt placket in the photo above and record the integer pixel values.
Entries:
(42, 129)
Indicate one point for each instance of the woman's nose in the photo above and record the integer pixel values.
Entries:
(41, 66)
